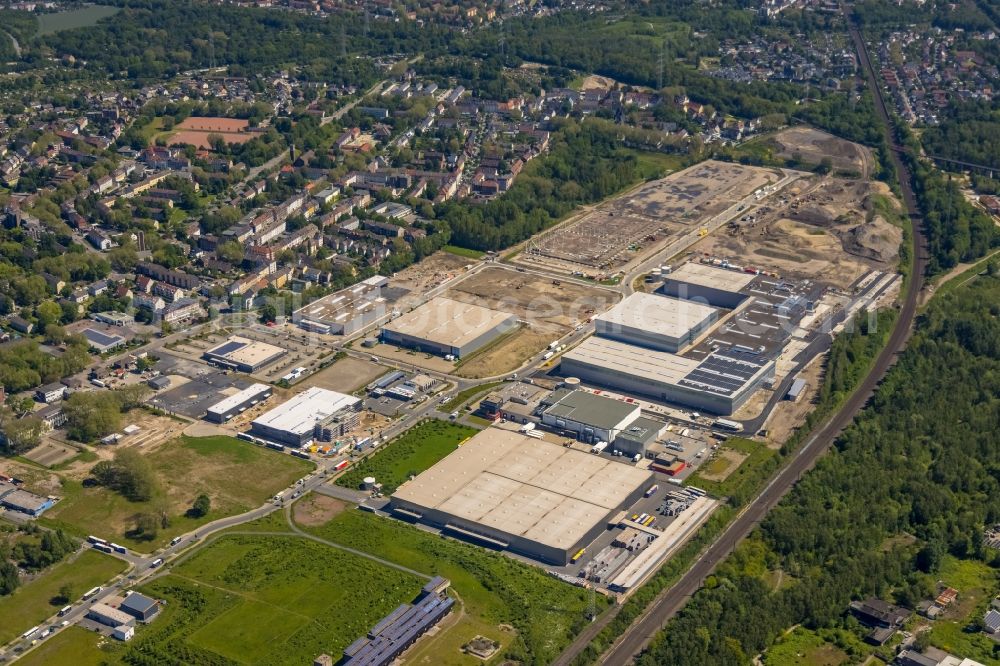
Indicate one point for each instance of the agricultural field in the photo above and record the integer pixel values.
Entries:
(532, 614)
(74, 18)
(184, 468)
(33, 602)
(268, 600)
(409, 454)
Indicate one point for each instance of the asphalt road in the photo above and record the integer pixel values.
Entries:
(670, 601)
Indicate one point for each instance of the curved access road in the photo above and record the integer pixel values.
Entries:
(670, 601)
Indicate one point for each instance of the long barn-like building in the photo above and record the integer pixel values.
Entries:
(444, 327)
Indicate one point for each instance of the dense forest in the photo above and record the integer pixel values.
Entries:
(921, 460)
(969, 132)
(956, 230)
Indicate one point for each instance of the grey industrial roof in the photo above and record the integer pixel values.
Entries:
(594, 410)
(99, 339)
(524, 486)
(140, 603)
(642, 430)
(448, 322)
(660, 315)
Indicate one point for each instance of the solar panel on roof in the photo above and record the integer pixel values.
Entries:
(228, 348)
(102, 339)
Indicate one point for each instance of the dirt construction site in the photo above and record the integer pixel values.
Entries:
(825, 229)
(812, 146)
(609, 237)
(550, 307)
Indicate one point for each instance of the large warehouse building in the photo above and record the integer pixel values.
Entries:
(704, 283)
(719, 383)
(592, 418)
(666, 324)
(243, 354)
(446, 327)
(315, 414)
(229, 407)
(345, 312)
(505, 490)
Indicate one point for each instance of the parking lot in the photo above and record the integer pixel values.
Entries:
(194, 397)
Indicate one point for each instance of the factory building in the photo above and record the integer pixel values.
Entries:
(237, 403)
(401, 628)
(704, 283)
(102, 342)
(243, 354)
(719, 383)
(446, 327)
(13, 498)
(109, 616)
(508, 491)
(345, 312)
(591, 418)
(140, 606)
(648, 320)
(315, 414)
(638, 435)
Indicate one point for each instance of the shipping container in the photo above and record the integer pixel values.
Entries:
(578, 555)
(652, 490)
(341, 465)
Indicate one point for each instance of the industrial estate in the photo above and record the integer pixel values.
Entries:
(421, 344)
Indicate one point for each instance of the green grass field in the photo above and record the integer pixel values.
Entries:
(32, 603)
(746, 478)
(494, 589)
(74, 18)
(237, 476)
(803, 647)
(976, 583)
(411, 453)
(72, 645)
(268, 600)
(464, 252)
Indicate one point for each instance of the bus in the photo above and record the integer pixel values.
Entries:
(341, 465)
(65, 610)
(92, 539)
(29, 632)
(578, 555)
(726, 424)
(89, 594)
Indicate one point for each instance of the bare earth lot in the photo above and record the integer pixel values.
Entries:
(813, 145)
(642, 221)
(346, 376)
(823, 229)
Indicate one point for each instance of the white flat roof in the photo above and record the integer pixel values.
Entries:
(299, 415)
(660, 315)
(656, 366)
(448, 322)
(237, 399)
(344, 304)
(707, 275)
(526, 487)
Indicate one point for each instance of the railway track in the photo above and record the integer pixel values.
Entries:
(638, 636)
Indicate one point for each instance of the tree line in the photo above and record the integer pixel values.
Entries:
(920, 460)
